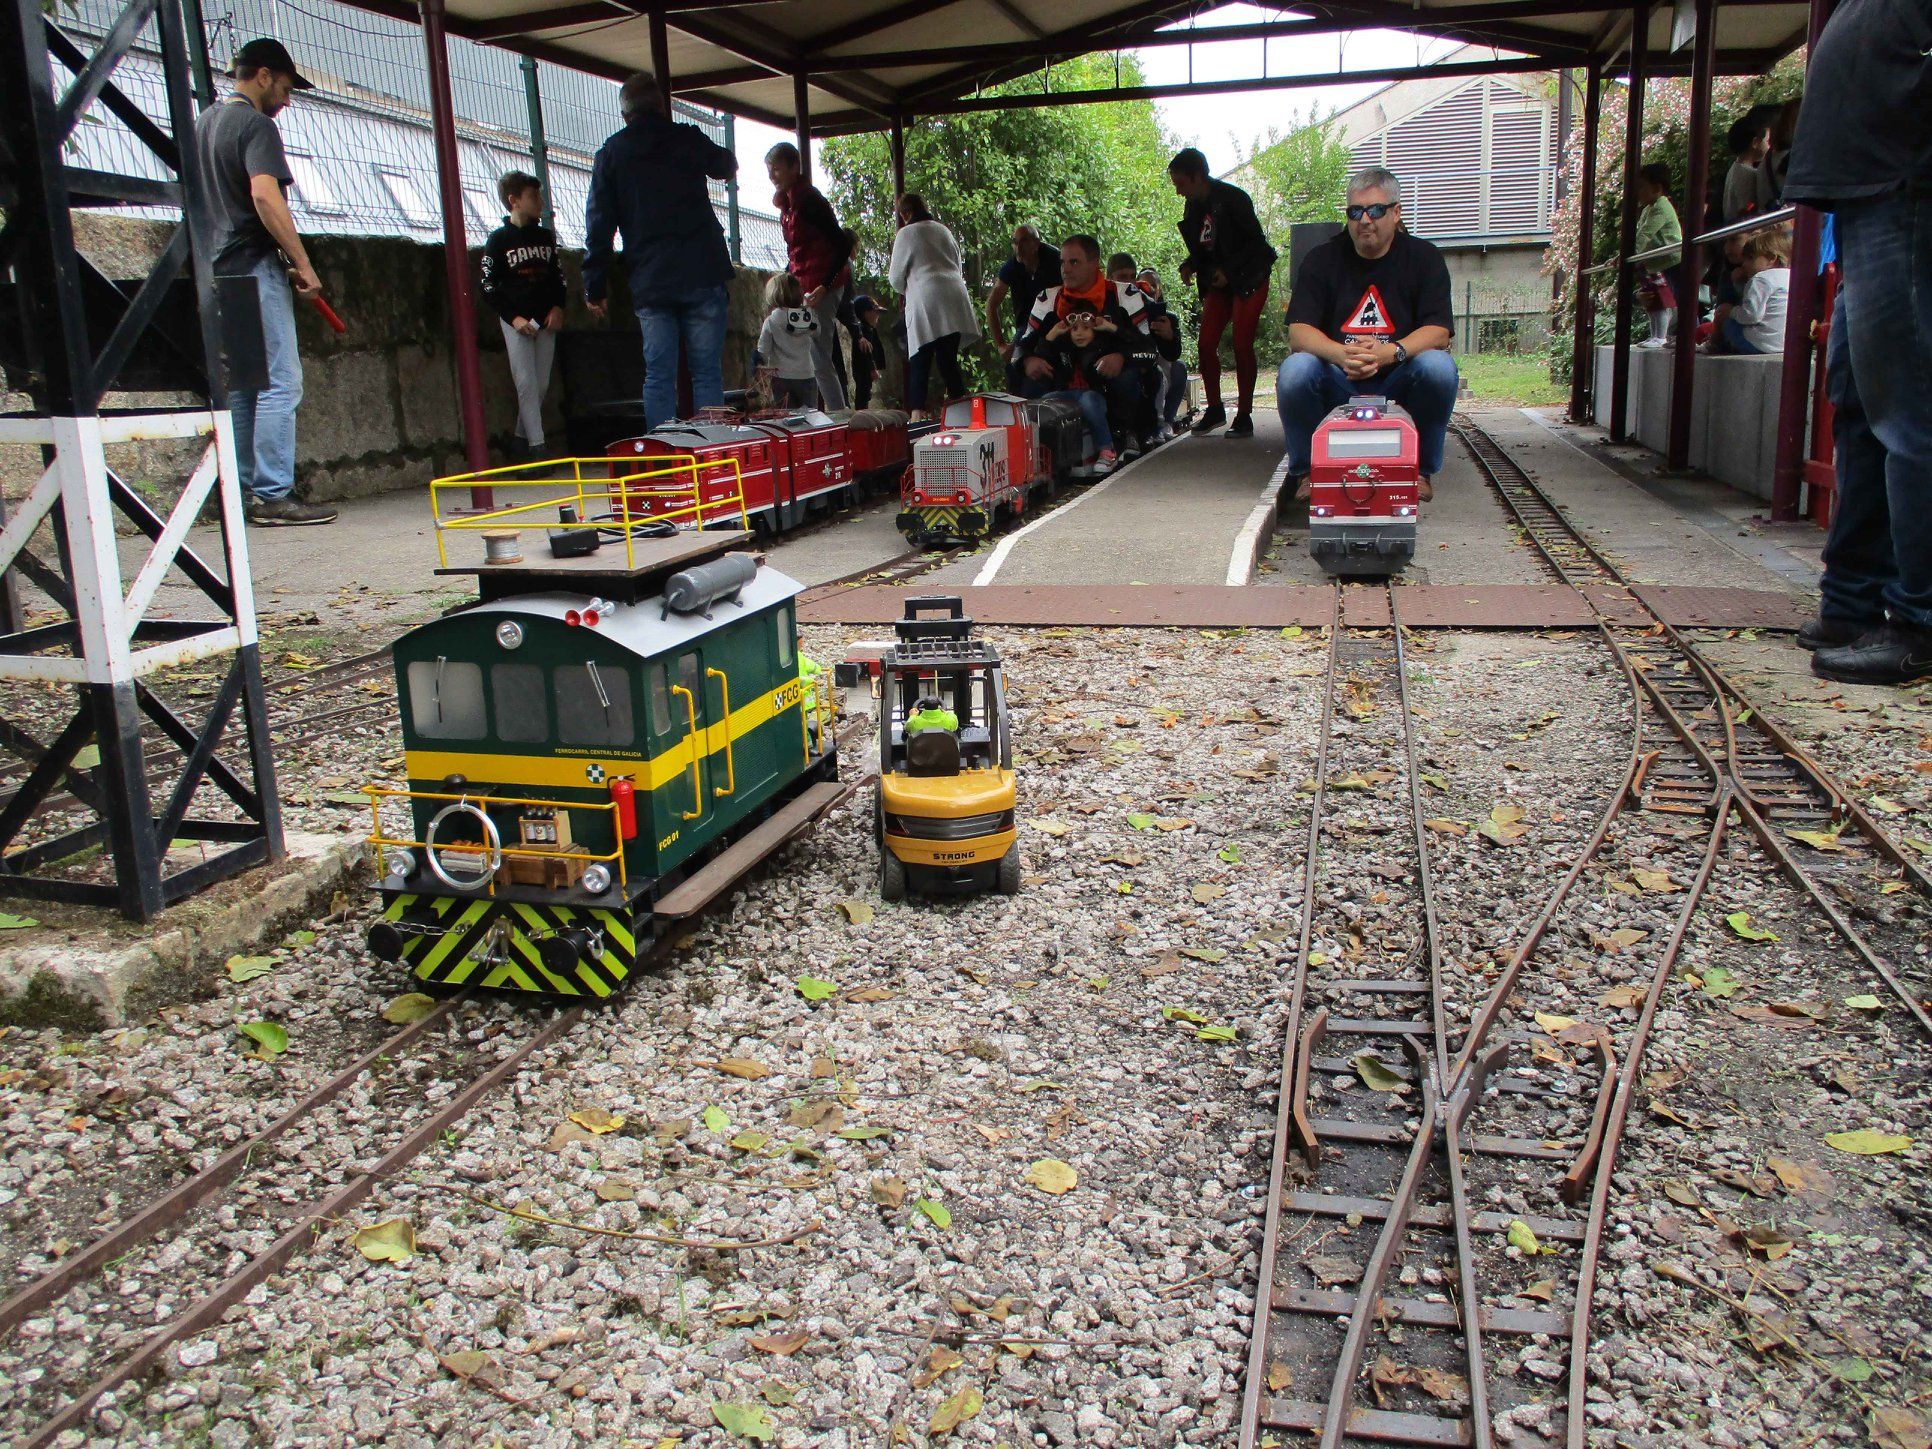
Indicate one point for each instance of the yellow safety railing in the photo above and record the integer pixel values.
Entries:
(697, 754)
(615, 494)
(377, 838)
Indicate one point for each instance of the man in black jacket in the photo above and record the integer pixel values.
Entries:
(1864, 152)
(523, 281)
(1370, 313)
(1229, 258)
(648, 182)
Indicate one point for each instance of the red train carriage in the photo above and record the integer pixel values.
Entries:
(1362, 488)
(877, 439)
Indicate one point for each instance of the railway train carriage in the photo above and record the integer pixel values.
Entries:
(992, 457)
(1362, 483)
(789, 465)
(583, 769)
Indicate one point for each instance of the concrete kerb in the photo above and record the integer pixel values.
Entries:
(82, 972)
(1252, 541)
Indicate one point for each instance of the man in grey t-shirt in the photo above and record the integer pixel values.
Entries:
(247, 172)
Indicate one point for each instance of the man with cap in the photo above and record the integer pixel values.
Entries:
(241, 155)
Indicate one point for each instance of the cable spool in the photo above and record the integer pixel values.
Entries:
(694, 590)
(502, 546)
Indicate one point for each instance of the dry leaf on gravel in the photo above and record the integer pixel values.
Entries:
(889, 1191)
(1867, 1143)
(1893, 1427)
(783, 1345)
(937, 1363)
(744, 1067)
(1051, 1175)
(1800, 1176)
(596, 1121)
(386, 1242)
(962, 1406)
(1280, 1376)
(857, 912)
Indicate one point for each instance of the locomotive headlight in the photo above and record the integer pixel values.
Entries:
(509, 634)
(400, 864)
(596, 879)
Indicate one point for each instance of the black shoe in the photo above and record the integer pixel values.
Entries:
(1130, 449)
(1893, 653)
(1302, 487)
(1211, 419)
(1822, 633)
(287, 513)
(1241, 427)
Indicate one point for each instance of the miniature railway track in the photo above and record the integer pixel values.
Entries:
(1849, 867)
(1390, 1310)
(63, 1406)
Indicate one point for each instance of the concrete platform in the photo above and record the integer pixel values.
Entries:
(84, 968)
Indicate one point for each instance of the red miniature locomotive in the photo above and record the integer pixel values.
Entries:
(1362, 488)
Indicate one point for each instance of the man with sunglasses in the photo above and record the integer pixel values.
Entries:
(1370, 313)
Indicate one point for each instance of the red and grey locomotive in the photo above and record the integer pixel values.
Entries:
(992, 458)
(1362, 484)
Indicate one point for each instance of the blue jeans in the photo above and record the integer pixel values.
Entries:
(1878, 556)
(1091, 402)
(698, 325)
(1308, 390)
(1735, 341)
(265, 420)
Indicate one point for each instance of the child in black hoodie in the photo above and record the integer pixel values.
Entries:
(524, 282)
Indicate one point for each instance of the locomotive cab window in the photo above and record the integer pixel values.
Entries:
(1365, 443)
(658, 695)
(446, 699)
(593, 704)
(522, 710)
(787, 638)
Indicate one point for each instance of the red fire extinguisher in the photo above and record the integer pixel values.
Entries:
(623, 795)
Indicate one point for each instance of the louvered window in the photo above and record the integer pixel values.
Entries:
(1518, 176)
(1486, 132)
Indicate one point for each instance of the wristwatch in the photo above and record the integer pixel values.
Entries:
(1401, 354)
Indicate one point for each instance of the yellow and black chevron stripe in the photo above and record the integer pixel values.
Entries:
(484, 942)
(968, 522)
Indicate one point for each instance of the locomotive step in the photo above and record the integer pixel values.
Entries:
(716, 877)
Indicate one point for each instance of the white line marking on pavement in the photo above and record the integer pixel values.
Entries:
(1247, 543)
(993, 564)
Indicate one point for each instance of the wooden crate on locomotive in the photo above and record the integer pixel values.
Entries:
(593, 750)
(1362, 488)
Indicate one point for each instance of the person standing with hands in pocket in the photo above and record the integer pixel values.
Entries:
(1230, 259)
(255, 236)
(524, 282)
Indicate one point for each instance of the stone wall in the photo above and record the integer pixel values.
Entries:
(379, 406)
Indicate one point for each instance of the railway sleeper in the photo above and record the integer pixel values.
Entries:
(1426, 1215)
(1421, 1312)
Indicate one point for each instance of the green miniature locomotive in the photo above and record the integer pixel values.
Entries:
(594, 749)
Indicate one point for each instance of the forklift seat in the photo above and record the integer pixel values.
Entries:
(931, 753)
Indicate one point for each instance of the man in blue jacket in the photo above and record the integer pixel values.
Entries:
(649, 182)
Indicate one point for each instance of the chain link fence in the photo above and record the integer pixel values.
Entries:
(1511, 319)
(360, 145)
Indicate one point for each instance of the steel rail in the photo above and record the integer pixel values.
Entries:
(1831, 800)
(307, 1226)
(178, 1201)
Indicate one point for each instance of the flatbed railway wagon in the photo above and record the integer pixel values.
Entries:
(594, 749)
(788, 466)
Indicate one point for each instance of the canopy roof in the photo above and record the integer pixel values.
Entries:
(866, 60)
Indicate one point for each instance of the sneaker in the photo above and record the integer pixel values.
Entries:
(1166, 434)
(1822, 633)
(1425, 491)
(1241, 427)
(1893, 653)
(1302, 489)
(1104, 461)
(1211, 419)
(1129, 450)
(1655, 342)
(286, 513)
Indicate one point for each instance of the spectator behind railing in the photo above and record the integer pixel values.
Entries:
(1657, 226)
(1754, 325)
(1750, 141)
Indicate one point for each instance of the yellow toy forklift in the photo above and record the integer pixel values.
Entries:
(944, 813)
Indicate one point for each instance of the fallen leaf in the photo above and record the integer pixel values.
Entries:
(744, 1067)
(1771, 1016)
(1205, 892)
(889, 1192)
(962, 1406)
(1622, 996)
(936, 1364)
(470, 1363)
(1657, 882)
(1441, 1385)
(1893, 1427)
(1817, 839)
(1215, 1033)
(386, 1242)
(615, 1189)
(940, 1215)
(410, 1006)
(1140, 820)
(1800, 1176)
(1543, 1290)
(784, 1345)
(1864, 1002)
(247, 968)
(1280, 1376)
(870, 993)
(1867, 1143)
(777, 1393)
(858, 913)
(813, 989)
(1209, 954)
(1765, 1239)
(1618, 939)
(864, 1134)
(1523, 1239)
(1375, 1073)
(1182, 1013)
(1051, 1175)
(270, 1040)
(817, 1113)
(1446, 827)
(1719, 982)
(1331, 1269)
(1884, 806)
(747, 1421)
(716, 1119)
(1554, 1024)
(1051, 827)
(1229, 854)
(750, 1141)
(596, 1120)
(11, 922)
(1682, 1193)
(1740, 922)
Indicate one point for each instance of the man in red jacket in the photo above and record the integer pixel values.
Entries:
(819, 253)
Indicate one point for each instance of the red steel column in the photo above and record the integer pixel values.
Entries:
(898, 156)
(1633, 157)
(456, 250)
(1583, 351)
(1683, 368)
(1801, 312)
(802, 112)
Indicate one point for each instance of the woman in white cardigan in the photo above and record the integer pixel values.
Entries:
(939, 311)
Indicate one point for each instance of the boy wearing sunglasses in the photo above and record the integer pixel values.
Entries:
(1370, 313)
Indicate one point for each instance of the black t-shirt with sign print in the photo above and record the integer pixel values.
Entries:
(1346, 295)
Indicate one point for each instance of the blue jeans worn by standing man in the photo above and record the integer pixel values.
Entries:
(1878, 555)
(1308, 389)
(265, 419)
(697, 324)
